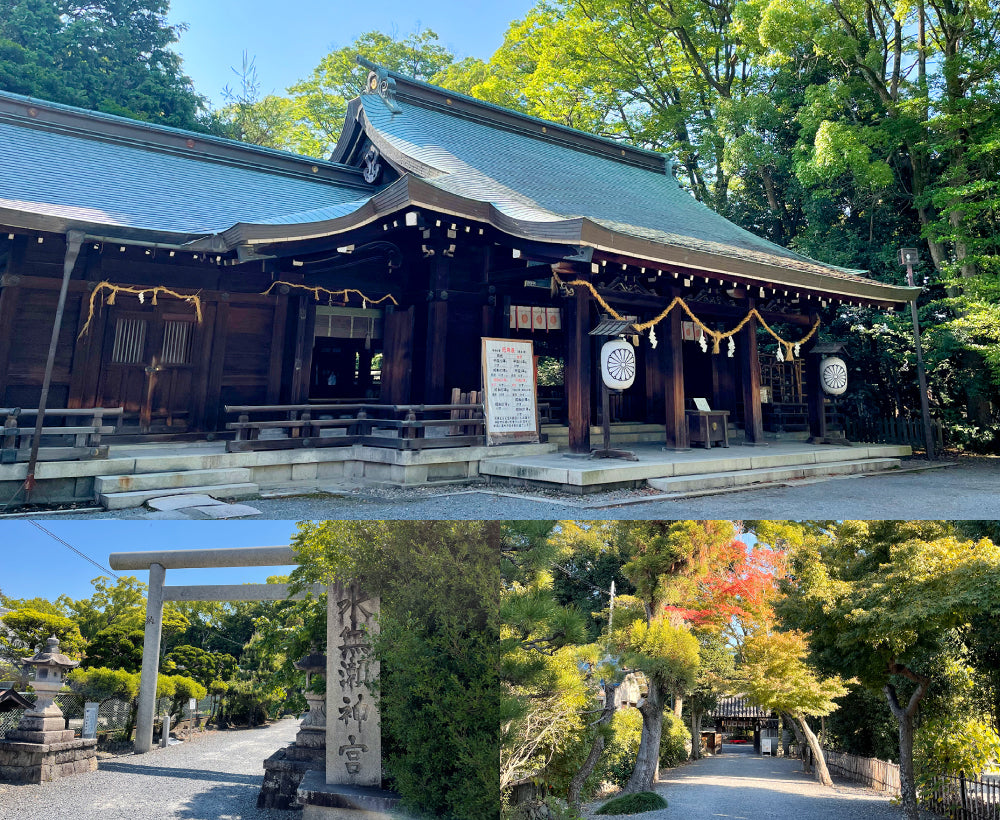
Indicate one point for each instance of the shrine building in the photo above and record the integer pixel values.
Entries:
(206, 274)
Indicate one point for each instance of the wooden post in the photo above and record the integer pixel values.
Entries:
(672, 358)
(815, 399)
(10, 297)
(303, 353)
(437, 331)
(397, 356)
(280, 317)
(753, 417)
(577, 377)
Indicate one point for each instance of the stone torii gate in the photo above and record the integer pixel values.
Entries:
(353, 776)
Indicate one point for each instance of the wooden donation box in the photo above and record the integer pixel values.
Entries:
(707, 426)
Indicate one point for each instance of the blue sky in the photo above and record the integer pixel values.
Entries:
(34, 565)
(289, 38)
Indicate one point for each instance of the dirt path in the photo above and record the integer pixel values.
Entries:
(738, 785)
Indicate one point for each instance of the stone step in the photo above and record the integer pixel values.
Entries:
(172, 480)
(136, 498)
(763, 475)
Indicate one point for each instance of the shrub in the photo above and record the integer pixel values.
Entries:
(619, 755)
(675, 742)
(633, 804)
(954, 744)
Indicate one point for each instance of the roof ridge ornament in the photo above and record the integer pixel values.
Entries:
(379, 82)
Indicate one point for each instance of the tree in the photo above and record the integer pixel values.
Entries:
(28, 629)
(779, 679)
(319, 102)
(667, 559)
(116, 647)
(113, 56)
(203, 666)
(716, 673)
(119, 604)
(880, 599)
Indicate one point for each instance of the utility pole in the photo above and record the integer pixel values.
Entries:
(907, 256)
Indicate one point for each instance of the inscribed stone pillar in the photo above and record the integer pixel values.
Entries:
(353, 730)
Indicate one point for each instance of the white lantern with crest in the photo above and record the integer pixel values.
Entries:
(833, 374)
(618, 364)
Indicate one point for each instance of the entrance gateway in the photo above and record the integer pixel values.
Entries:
(352, 776)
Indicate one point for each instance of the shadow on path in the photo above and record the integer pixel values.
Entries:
(188, 774)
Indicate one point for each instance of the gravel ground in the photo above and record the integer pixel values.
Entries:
(967, 490)
(741, 786)
(215, 777)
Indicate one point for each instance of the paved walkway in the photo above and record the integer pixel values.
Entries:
(738, 785)
(215, 777)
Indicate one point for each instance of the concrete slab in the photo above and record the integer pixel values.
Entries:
(178, 502)
(219, 512)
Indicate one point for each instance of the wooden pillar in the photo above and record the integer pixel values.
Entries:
(304, 332)
(280, 318)
(753, 417)
(205, 334)
(397, 356)
(435, 377)
(213, 390)
(672, 357)
(578, 368)
(815, 398)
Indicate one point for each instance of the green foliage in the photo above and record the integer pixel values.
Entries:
(250, 702)
(203, 666)
(116, 647)
(633, 804)
(438, 646)
(100, 684)
(623, 745)
(26, 629)
(955, 744)
(114, 56)
(863, 726)
(667, 654)
(675, 741)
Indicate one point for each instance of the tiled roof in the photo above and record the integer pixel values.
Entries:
(121, 181)
(544, 177)
(737, 706)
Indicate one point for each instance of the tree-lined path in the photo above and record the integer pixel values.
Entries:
(739, 785)
(216, 777)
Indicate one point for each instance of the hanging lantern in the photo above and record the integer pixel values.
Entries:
(833, 375)
(618, 364)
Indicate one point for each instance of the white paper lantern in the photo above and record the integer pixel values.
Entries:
(618, 364)
(833, 374)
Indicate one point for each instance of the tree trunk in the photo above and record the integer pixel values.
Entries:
(678, 706)
(800, 741)
(904, 716)
(576, 784)
(695, 733)
(822, 773)
(647, 761)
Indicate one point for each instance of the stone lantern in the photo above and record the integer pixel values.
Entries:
(42, 748)
(285, 769)
(312, 732)
(50, 665)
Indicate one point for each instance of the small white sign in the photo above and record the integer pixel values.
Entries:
(90, 720)
(193, 705)
(702, 404)
(509, 384)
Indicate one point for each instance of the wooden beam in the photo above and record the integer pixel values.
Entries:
(815, 398)
(277, 347)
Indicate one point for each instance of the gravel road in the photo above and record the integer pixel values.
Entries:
(741, 786)
(215, 777)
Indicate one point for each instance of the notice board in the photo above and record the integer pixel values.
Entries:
(509, 391)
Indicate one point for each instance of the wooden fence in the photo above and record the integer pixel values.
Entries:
(960, 798)
(893, 431)
(880, 775)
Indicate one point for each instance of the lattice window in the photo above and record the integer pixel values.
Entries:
(176, 342)
(130, 341)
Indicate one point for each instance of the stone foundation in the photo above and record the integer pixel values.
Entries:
(322, 801)
(284, 771)
(24, 761)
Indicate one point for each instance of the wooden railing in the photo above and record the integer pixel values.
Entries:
(396, 426)
(71, 440)
(893, 431)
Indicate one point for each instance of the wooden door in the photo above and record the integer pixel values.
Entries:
(148, 367)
